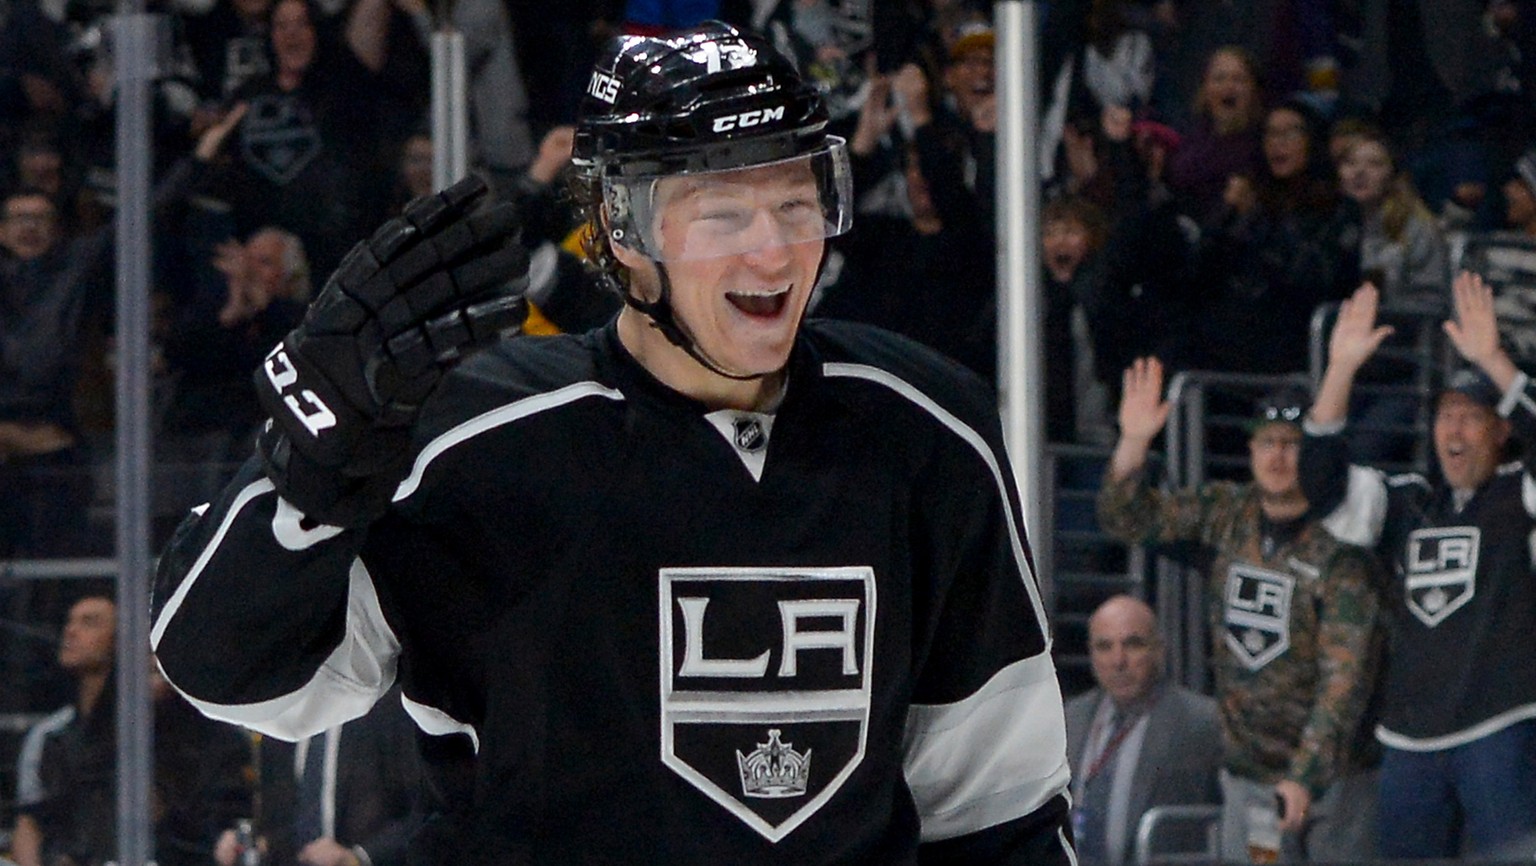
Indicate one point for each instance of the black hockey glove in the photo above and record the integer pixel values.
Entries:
(344, 388)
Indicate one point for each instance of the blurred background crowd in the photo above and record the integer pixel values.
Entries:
(1212, 172)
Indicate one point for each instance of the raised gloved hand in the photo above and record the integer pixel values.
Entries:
(344, 388)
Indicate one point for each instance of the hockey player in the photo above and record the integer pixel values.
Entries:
(1292, 614)
(1458, 715)
(706, 585)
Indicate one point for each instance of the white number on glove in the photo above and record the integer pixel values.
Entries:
(312, 411)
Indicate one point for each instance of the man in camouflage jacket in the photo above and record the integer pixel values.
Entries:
(1293, 617)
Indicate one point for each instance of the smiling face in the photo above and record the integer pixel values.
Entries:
(1365, 171)
(1469, 440)
(741, 251)
(1285, 143)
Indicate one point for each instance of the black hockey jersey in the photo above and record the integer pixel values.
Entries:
(1462, 595)
(671, 635)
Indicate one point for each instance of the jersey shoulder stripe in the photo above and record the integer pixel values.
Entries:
(946, 382)
(502, 415)
(972, 438)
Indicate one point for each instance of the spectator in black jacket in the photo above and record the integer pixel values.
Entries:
(1283, 242)
(48, 289)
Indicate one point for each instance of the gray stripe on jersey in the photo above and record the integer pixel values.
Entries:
(1459, 738)
(1061, 834)
(513, 411)
(971, 438)
(29, 780)
(997, 755)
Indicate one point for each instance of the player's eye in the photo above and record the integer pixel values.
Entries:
(725, 218)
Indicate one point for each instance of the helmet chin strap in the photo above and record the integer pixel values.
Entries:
(664, 320)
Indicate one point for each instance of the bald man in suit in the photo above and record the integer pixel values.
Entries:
(1134, 741)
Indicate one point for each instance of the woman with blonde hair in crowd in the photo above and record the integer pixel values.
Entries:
(1402, 252)
(1401, 248)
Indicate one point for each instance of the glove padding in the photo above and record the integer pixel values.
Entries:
(344, 388)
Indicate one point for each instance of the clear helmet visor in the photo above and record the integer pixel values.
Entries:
(738, 211)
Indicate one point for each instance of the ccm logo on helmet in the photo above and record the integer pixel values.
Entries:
(748, 118)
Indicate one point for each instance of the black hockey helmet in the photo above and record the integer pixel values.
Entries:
(711, 99)
(701, 144)
(707, 98)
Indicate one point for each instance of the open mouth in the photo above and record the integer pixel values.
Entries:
(1063, 262)
(761, 304)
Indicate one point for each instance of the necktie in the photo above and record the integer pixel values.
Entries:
(308, 817)
(1093, 822)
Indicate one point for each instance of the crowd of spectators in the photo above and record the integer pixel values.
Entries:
(1210, 175)
(1211, 172)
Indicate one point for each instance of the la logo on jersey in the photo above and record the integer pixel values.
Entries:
(765, 686)
(1441, 570)
(1258, 614)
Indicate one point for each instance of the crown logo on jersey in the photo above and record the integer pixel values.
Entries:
(774, 769)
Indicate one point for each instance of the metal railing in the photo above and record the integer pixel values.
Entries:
(1158, 822)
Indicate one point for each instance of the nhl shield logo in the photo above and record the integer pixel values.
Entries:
(1441, 571)
(1258, 614)
(765, 686)
(749, 434)
(279, 138)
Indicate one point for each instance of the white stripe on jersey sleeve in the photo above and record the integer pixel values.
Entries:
(1515, 396)
(242, 499)
(979, 444)
(495, 418)
(348, 683)
(995, 756)
(1359, 518)
(434, 721)
(288, 528)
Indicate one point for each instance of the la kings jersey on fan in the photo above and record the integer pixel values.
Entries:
(1461, 598)
(1293, 619)
(671, 636)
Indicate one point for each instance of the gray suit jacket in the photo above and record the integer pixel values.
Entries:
(1180, 754)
